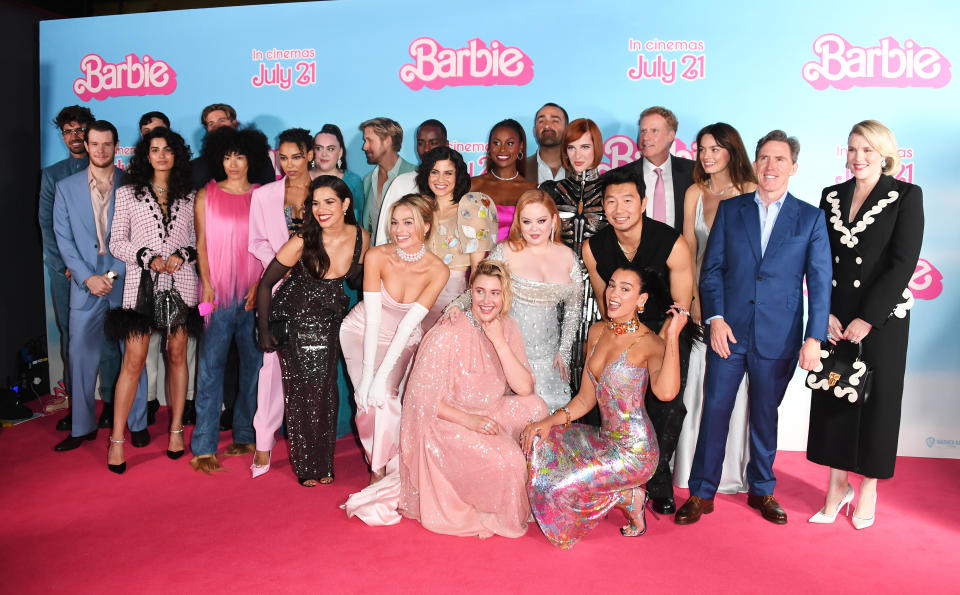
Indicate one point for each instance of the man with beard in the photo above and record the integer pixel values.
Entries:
(548, 126)
(72, 122)
(430, 135)
(382, 138)
(82, 214)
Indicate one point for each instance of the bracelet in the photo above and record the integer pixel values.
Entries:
(567, 413)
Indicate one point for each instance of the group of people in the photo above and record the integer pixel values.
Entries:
(661, 301)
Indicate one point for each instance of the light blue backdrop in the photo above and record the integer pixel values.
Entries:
(746, 67)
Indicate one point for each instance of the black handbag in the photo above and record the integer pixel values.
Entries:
(841, 375)
(169, 309)
(279, 328)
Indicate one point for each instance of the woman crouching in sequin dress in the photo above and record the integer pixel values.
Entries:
(461, 468)
(312, 303)
(577, 473)
(547, 285)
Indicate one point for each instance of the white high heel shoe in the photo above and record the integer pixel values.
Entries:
(823, 518)
(859, 523)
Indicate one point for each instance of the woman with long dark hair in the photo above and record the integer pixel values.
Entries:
(466, 222)
(309, 306)
(722, 170)
(153, 231)
(330, 159)
(503, 180)
(578, 474)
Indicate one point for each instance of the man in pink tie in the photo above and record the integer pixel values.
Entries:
(666, 178)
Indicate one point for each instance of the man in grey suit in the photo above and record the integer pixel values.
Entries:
(82, 215)
(72, 121)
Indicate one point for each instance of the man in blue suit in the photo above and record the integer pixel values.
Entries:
(761, 247)
(82, 216)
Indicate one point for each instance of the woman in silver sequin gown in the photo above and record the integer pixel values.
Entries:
(579, 200)
(312, 302)
(547, 286)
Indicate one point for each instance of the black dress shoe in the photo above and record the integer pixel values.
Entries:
(72, 442)
(663, 505)
(106, 416)
(226, 420)
(189, 414)
(65, 423)
(152, 407)
(140, 438)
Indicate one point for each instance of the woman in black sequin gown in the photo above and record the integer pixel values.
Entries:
(580, 203)
(312, 302)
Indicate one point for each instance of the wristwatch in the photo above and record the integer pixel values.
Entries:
(111, 275)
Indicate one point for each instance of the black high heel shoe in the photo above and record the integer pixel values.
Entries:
(122, 466)
(632, 530)
(176, 454)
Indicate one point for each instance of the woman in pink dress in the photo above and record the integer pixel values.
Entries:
(401, 281)
(462, 471)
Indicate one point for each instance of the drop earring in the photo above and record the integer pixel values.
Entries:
(339, 163)
(553, 229)
(640, 308)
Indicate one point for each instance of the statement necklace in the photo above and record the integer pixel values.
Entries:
(412, 257)
(158, 189)
(622, 328)
(513, 177)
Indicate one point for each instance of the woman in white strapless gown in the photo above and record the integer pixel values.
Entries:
(722, 171)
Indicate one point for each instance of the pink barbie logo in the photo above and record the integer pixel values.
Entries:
(436, 66)
(843, 65)
(133, 76)
(927, 281)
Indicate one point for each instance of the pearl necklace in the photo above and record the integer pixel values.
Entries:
(412, 257)
(513, 177)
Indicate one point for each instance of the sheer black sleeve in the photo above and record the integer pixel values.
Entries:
(273, 275)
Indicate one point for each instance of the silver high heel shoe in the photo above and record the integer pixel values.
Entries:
(859, 523)
(823, 518)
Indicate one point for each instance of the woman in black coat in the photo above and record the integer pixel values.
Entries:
(875, 224)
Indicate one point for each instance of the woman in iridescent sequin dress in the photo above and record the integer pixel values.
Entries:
(547, 285)
(578, 474)
(312, 302)
(461, 468)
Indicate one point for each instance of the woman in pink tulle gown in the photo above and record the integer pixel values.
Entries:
(461, 468)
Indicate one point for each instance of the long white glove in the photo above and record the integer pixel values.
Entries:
(373, 309)
(377, 396)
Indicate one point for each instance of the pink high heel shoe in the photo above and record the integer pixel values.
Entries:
(258, 470)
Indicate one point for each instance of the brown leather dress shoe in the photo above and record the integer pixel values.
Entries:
(692, 510)
(769, 508)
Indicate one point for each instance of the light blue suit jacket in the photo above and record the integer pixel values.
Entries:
(760, 296)
(76, 232)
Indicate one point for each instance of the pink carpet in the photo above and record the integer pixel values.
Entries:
(71, 526)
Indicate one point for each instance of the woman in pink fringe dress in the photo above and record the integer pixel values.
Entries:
(461, 468)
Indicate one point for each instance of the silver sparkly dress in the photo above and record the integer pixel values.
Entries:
(548, 315)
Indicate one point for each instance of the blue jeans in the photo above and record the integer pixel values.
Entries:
(226, 322)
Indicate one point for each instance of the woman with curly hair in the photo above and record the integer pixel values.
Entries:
(229, 274)
(153, 231)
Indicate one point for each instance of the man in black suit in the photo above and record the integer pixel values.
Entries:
(666, 178)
